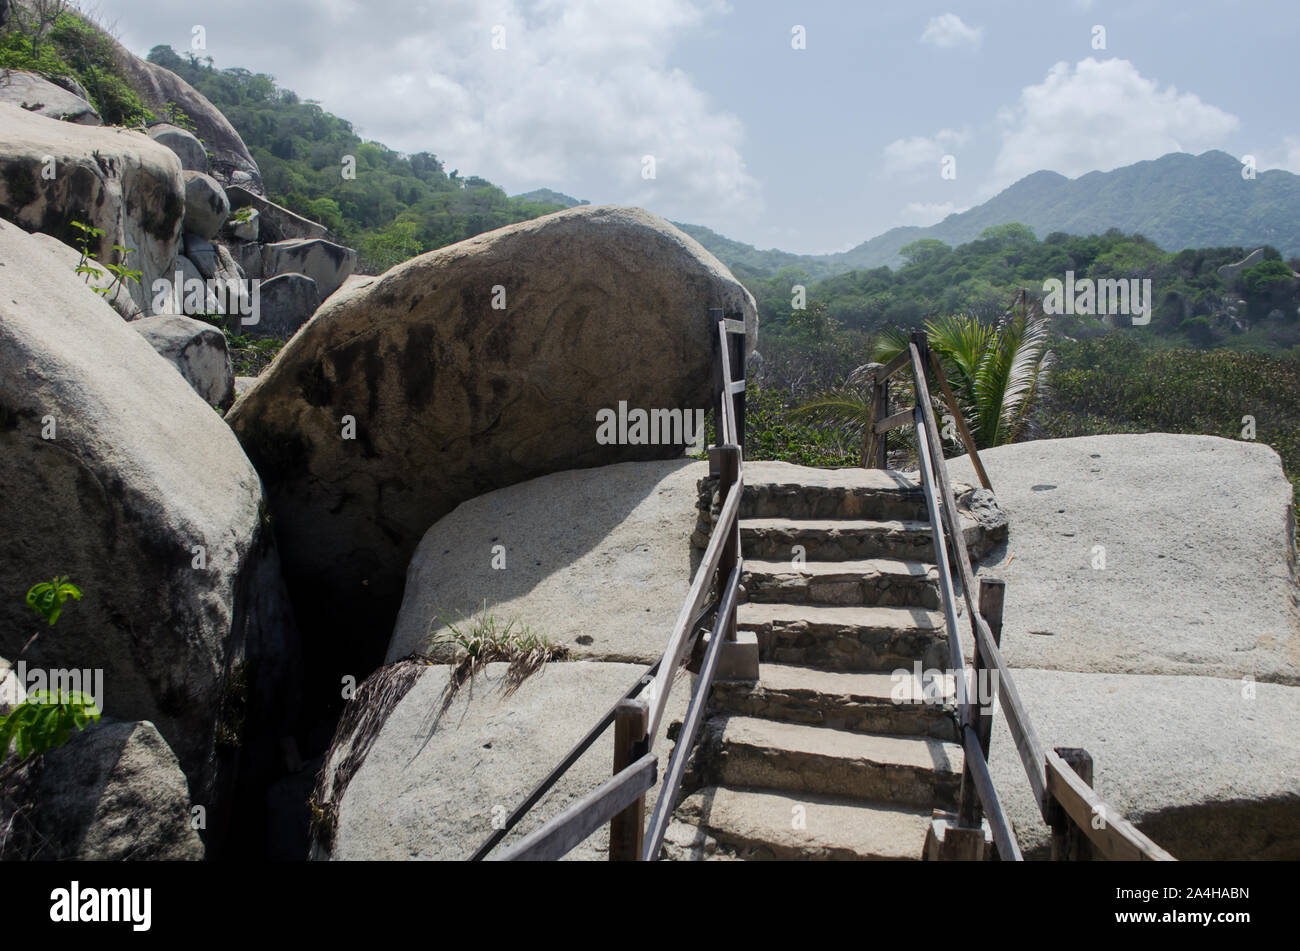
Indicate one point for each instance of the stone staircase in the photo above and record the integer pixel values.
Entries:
(830, 755)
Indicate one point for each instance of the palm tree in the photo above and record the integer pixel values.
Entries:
(999, 373)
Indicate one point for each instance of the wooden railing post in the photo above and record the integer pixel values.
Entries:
(736, 349)
(726, 459)
(992, 595)
(1069, 842)
(627, 829)
(715, 315)
(880, 441)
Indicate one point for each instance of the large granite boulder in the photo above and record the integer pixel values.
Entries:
(158, 86)
(112, 290)
(117, 474)
(112, 793)
(285, 303)
(567, 541)
(37, 94)
(277, 223)
(412, 393)
(197, 350)
(1146, 554)
(186, 145)
(1207, 767)
(403, 782)
(326, 263)
(206, 205)
(54, 173)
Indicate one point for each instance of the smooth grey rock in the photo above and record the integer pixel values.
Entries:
(137, 473)
(285, 303)
(249, 256)
(430, 787)
(159, 86)
(128, 184)
(206, 205)
(203, 253)
(248, 229)
(1229, 272)
(452, 398)
(570, 539)
(37, 94)
(186, 145)
(112, 793)
(120, 298)
(197, 350)
(243, 384)
(1207, 767)
(12, 691)
(1199, 558)
(326, 263)
(277, 222)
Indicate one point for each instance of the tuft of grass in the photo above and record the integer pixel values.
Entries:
(484, 639)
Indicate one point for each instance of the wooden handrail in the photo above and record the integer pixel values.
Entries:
(556, 838)
(694, 717)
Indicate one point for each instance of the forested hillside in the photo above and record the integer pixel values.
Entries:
(388, 205)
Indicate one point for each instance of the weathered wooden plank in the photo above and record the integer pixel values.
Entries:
(1117, 839)
(892, 367)
(627, 828)
(675, 649)
(559, 836)
(901, 418)
(667, 800)
(1004, 837)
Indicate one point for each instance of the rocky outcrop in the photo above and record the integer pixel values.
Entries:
(285, 303)
(565, 538)
(1146, 554)
(277, 223)
(113, 290)
(54, 173)
(112, 793)
(206, 205)
(193, 156)
(118, 475)
(231, 161)
(1229, 272)
(36, 94)
(326, 263)
(411, 394)
(412, 784)
(197, 350)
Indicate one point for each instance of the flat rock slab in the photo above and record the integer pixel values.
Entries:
(596, 559)
(1197, 539)
(1208, 768)
(430, 790)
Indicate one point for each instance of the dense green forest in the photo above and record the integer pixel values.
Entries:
(1193, 306)
(395, 206)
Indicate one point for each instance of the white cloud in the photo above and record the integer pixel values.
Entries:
(582, 90)
(927, 213)
(1100, 116)
(1286, 158)
(948, 30)
(921, 154)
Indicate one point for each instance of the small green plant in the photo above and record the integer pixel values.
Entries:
(121, 273)
(179, 117)
(44, 722)
(242, 215)
(47, 598)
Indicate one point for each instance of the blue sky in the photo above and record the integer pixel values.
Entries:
(809, 150)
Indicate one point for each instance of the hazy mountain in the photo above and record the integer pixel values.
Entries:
(1178, 201)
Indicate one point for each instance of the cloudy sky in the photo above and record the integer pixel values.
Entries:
(808, 149)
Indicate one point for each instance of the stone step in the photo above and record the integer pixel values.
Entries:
(767, 754)
(777, 489)
(837, 539)
(881, 702)
(757, 824)
(850, 637)
(880, 581)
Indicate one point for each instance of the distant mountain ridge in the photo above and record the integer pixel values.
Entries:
(550, 196)
(1178, 201)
